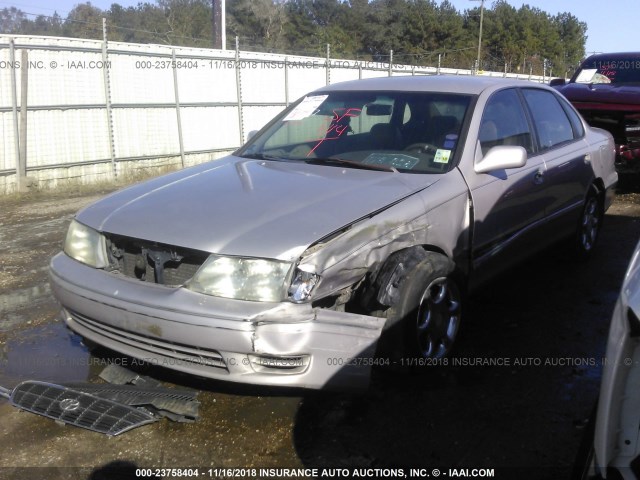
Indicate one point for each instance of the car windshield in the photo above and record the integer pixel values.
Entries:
(388, 131)
(609, 70)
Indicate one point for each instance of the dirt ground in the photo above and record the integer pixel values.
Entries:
(543, 326)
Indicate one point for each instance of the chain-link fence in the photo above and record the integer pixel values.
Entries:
(87, 110)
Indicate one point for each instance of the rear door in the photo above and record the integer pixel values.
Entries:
(561, 140)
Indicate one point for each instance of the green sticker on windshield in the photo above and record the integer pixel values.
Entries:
(442, 156)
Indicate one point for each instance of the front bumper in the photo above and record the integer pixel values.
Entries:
(280, 344)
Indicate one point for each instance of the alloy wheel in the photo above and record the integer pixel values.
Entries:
(438, 318)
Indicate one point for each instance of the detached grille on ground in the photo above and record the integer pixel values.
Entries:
(78, 408)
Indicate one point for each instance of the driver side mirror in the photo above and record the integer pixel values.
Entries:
(557, 82)
(502, 157)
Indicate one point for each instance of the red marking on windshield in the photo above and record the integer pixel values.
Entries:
(339, 125)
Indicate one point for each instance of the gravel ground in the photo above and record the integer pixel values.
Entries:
(543, 326)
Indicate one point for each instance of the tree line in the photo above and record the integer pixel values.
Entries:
(420, 32)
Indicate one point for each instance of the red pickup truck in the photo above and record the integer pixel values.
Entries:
(606, 91)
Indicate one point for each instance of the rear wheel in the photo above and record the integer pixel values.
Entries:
(589, 224)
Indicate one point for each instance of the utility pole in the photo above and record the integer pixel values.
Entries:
(480, 33)
(219, 24)
(223, 23)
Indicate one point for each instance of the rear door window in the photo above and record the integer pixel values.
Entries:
(551, 122)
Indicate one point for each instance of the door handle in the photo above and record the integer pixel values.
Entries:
(538, 178)
(587, 159)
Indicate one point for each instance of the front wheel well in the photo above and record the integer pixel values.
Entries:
(381, 289)
(425, 316)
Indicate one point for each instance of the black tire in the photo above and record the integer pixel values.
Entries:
(425, 320)
(589, 224)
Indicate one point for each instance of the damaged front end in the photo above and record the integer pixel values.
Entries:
(623, 122)
(262, 343)
(605, 90)
(193, 312)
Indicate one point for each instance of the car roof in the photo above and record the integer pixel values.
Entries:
(473, 85)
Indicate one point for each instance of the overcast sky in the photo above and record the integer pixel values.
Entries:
(612, 24)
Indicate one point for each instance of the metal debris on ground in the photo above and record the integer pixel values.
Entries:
(77, 408)
(128, 402)
(179, 405)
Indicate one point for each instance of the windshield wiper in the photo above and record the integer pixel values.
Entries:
(348, 163)
(261, 156)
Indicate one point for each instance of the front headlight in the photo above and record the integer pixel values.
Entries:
(86, 245)
(242, 278)
(302, 285)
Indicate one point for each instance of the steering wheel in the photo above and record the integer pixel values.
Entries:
(421, 148)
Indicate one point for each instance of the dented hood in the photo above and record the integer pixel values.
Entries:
(236, 206)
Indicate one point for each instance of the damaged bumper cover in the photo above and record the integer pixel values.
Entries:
(628, 158)
(282, 344)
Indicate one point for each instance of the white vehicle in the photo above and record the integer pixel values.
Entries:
(617, 433)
